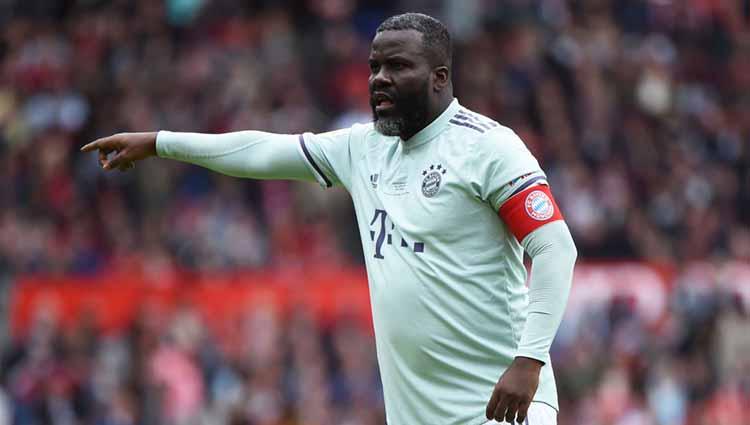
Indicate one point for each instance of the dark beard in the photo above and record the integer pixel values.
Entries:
(409, 116)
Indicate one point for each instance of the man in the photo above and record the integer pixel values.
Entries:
(447, 201)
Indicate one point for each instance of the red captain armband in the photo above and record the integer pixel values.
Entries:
(529, 210)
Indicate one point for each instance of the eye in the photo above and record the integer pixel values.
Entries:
(397, 66)
(374, 67)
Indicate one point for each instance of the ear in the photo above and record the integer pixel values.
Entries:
(441, 77)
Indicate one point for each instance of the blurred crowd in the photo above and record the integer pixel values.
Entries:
(638, 110)
(173, 371)
(267, 367)
(693, 368)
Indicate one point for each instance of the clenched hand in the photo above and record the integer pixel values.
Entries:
(127, 148)
(514, 391)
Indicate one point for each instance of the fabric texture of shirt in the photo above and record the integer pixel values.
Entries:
(446, 276)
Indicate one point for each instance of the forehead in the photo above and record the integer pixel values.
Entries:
(403, 42)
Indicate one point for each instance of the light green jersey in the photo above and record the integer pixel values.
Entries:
(447, 280)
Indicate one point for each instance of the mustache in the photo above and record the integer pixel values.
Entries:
(380, 94)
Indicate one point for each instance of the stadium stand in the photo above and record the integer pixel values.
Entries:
(639, 111)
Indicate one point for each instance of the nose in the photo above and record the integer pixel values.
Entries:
(380, 79)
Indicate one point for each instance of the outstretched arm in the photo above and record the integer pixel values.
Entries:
(253, 154)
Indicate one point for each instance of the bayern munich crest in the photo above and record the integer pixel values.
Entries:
(432, 178)
(539, 206)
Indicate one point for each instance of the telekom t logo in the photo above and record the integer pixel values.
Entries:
(385, 235)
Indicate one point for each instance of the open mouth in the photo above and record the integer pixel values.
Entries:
(382, 101)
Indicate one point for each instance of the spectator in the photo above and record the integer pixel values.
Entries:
(639, 110)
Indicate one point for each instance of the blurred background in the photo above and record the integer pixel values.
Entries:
(171, 295)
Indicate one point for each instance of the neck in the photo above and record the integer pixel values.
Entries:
(437, 107)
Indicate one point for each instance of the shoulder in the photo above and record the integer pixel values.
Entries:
(497, 143)
(483, 134)
(364, 130)
(366, 140)
(352, 138)
(355, 130)
(362, 139)
(360, 133)
(495, 152)
(470, 122)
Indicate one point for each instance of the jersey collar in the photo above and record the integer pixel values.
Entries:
(434, 128)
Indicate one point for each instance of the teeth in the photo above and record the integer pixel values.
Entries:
(381, 99)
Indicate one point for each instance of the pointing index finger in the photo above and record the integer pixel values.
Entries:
(89, 147)
(96, 144)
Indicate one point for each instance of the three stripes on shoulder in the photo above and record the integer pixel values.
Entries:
(476, 122)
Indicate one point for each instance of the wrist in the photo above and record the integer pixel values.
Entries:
(160, 139)
(528, 363)
(151, 143)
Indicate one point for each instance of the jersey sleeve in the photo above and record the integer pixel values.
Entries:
(512, 182)
(502, 166)
(329, 156)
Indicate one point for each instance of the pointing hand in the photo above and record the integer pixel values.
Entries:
(127, 148)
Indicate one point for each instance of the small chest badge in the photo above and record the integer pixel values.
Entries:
(432, 178)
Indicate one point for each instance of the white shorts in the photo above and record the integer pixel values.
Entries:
(538, 414)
